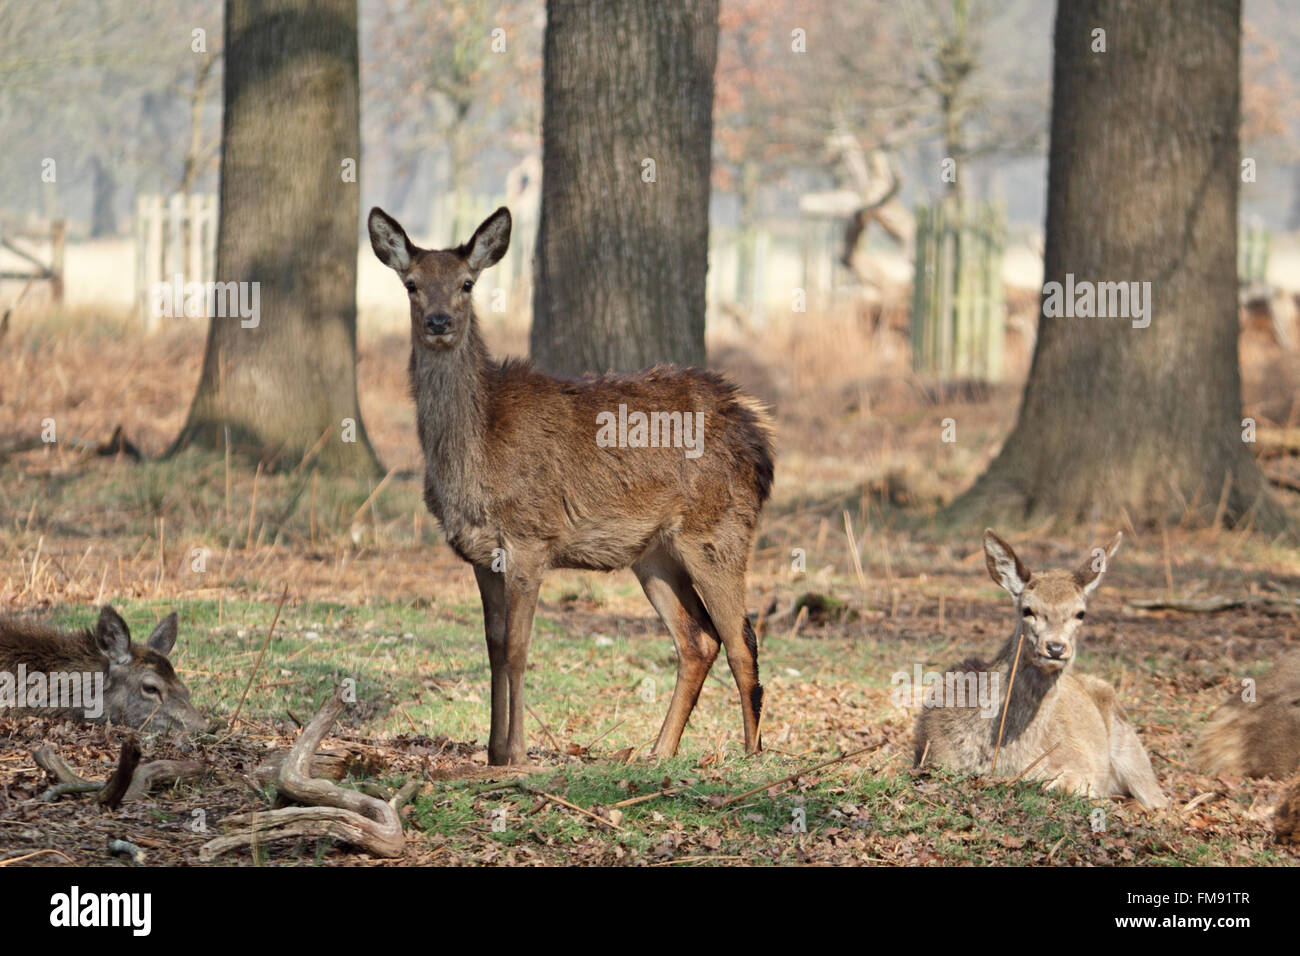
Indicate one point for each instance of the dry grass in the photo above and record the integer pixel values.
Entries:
(858, 438)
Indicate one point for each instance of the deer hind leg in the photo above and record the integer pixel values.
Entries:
(492, 589)
(721, 585)
(668, 586)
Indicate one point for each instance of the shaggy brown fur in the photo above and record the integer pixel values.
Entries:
(516, 474)
(140, 687)
(1259, 738)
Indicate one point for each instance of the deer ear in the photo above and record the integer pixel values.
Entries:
(163, 638)
(1088, 575)
(490, 241)
(389, 240)
(112, 637)
(1005, 568)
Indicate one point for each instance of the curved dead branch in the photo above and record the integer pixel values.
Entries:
(331, 811)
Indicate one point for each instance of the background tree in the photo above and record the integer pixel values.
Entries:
(456, 86)
(1142, 186)
(622, 246)
(289, 223)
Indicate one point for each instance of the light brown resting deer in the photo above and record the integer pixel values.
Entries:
(1259, 738)
(139, 687)
(522, 478)
(1073, 718)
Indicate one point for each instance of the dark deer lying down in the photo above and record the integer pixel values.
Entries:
(95, 674)
(528, 472)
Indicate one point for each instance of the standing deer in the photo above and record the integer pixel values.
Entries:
(523, 477)
(63, 674)
(1073, 718)
(1259, 737)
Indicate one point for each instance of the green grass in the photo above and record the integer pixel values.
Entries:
(426, 667)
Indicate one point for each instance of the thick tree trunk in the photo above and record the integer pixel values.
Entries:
(1142, 187)
(288, 224)
(621, 261)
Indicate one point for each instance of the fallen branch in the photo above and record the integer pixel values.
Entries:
(161, 772)
(116, 786)
(1273, 606)
(331, 812)
(143, 779)
(573, 806)
(795, 776)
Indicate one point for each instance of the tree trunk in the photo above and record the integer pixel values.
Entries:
(1142, 187)
(285, 385)
(103, 213)
(621, 261)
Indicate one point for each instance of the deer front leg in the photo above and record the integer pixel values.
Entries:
(521, 603)
(492, 589)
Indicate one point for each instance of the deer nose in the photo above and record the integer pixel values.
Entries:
(1054, 649)
(437, 323)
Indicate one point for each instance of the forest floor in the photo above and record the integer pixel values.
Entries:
(373, 594)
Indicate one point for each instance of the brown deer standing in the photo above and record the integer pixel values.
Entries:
(517, 474)
(140, 688)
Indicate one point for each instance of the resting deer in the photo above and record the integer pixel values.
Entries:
(1258, 738)
(1072, 718)
(95, 674)
(524, 477)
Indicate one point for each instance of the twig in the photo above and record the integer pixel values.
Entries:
(547, 730)
(586, 813)
(28, 856)
(633, 801)
(258, 666)
(1041, 757)
(795, 776)
(1006, 702)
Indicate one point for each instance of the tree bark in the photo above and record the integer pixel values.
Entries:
(289, 224)
(621, 262)
(1142, 187)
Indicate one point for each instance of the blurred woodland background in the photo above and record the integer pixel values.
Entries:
(851, 207)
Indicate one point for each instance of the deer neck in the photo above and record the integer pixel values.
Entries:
(1029, 694)
(451, 398)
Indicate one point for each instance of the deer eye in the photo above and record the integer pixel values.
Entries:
(469, 284)
(1079, 616)
(410, 287)
(1028, 612)
(152, 690)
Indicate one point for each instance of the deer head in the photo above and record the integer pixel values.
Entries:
(140, 684)
(439, 282)
(1052, 604)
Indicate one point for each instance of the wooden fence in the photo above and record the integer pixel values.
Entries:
(52, 272)
(958, 318)
(1253, 245)
(173, 237)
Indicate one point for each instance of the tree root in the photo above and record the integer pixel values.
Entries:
(331, 812)
(131, 780)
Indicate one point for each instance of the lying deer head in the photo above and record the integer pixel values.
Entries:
(439, 282)
(140, 684)
(1051, 604)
